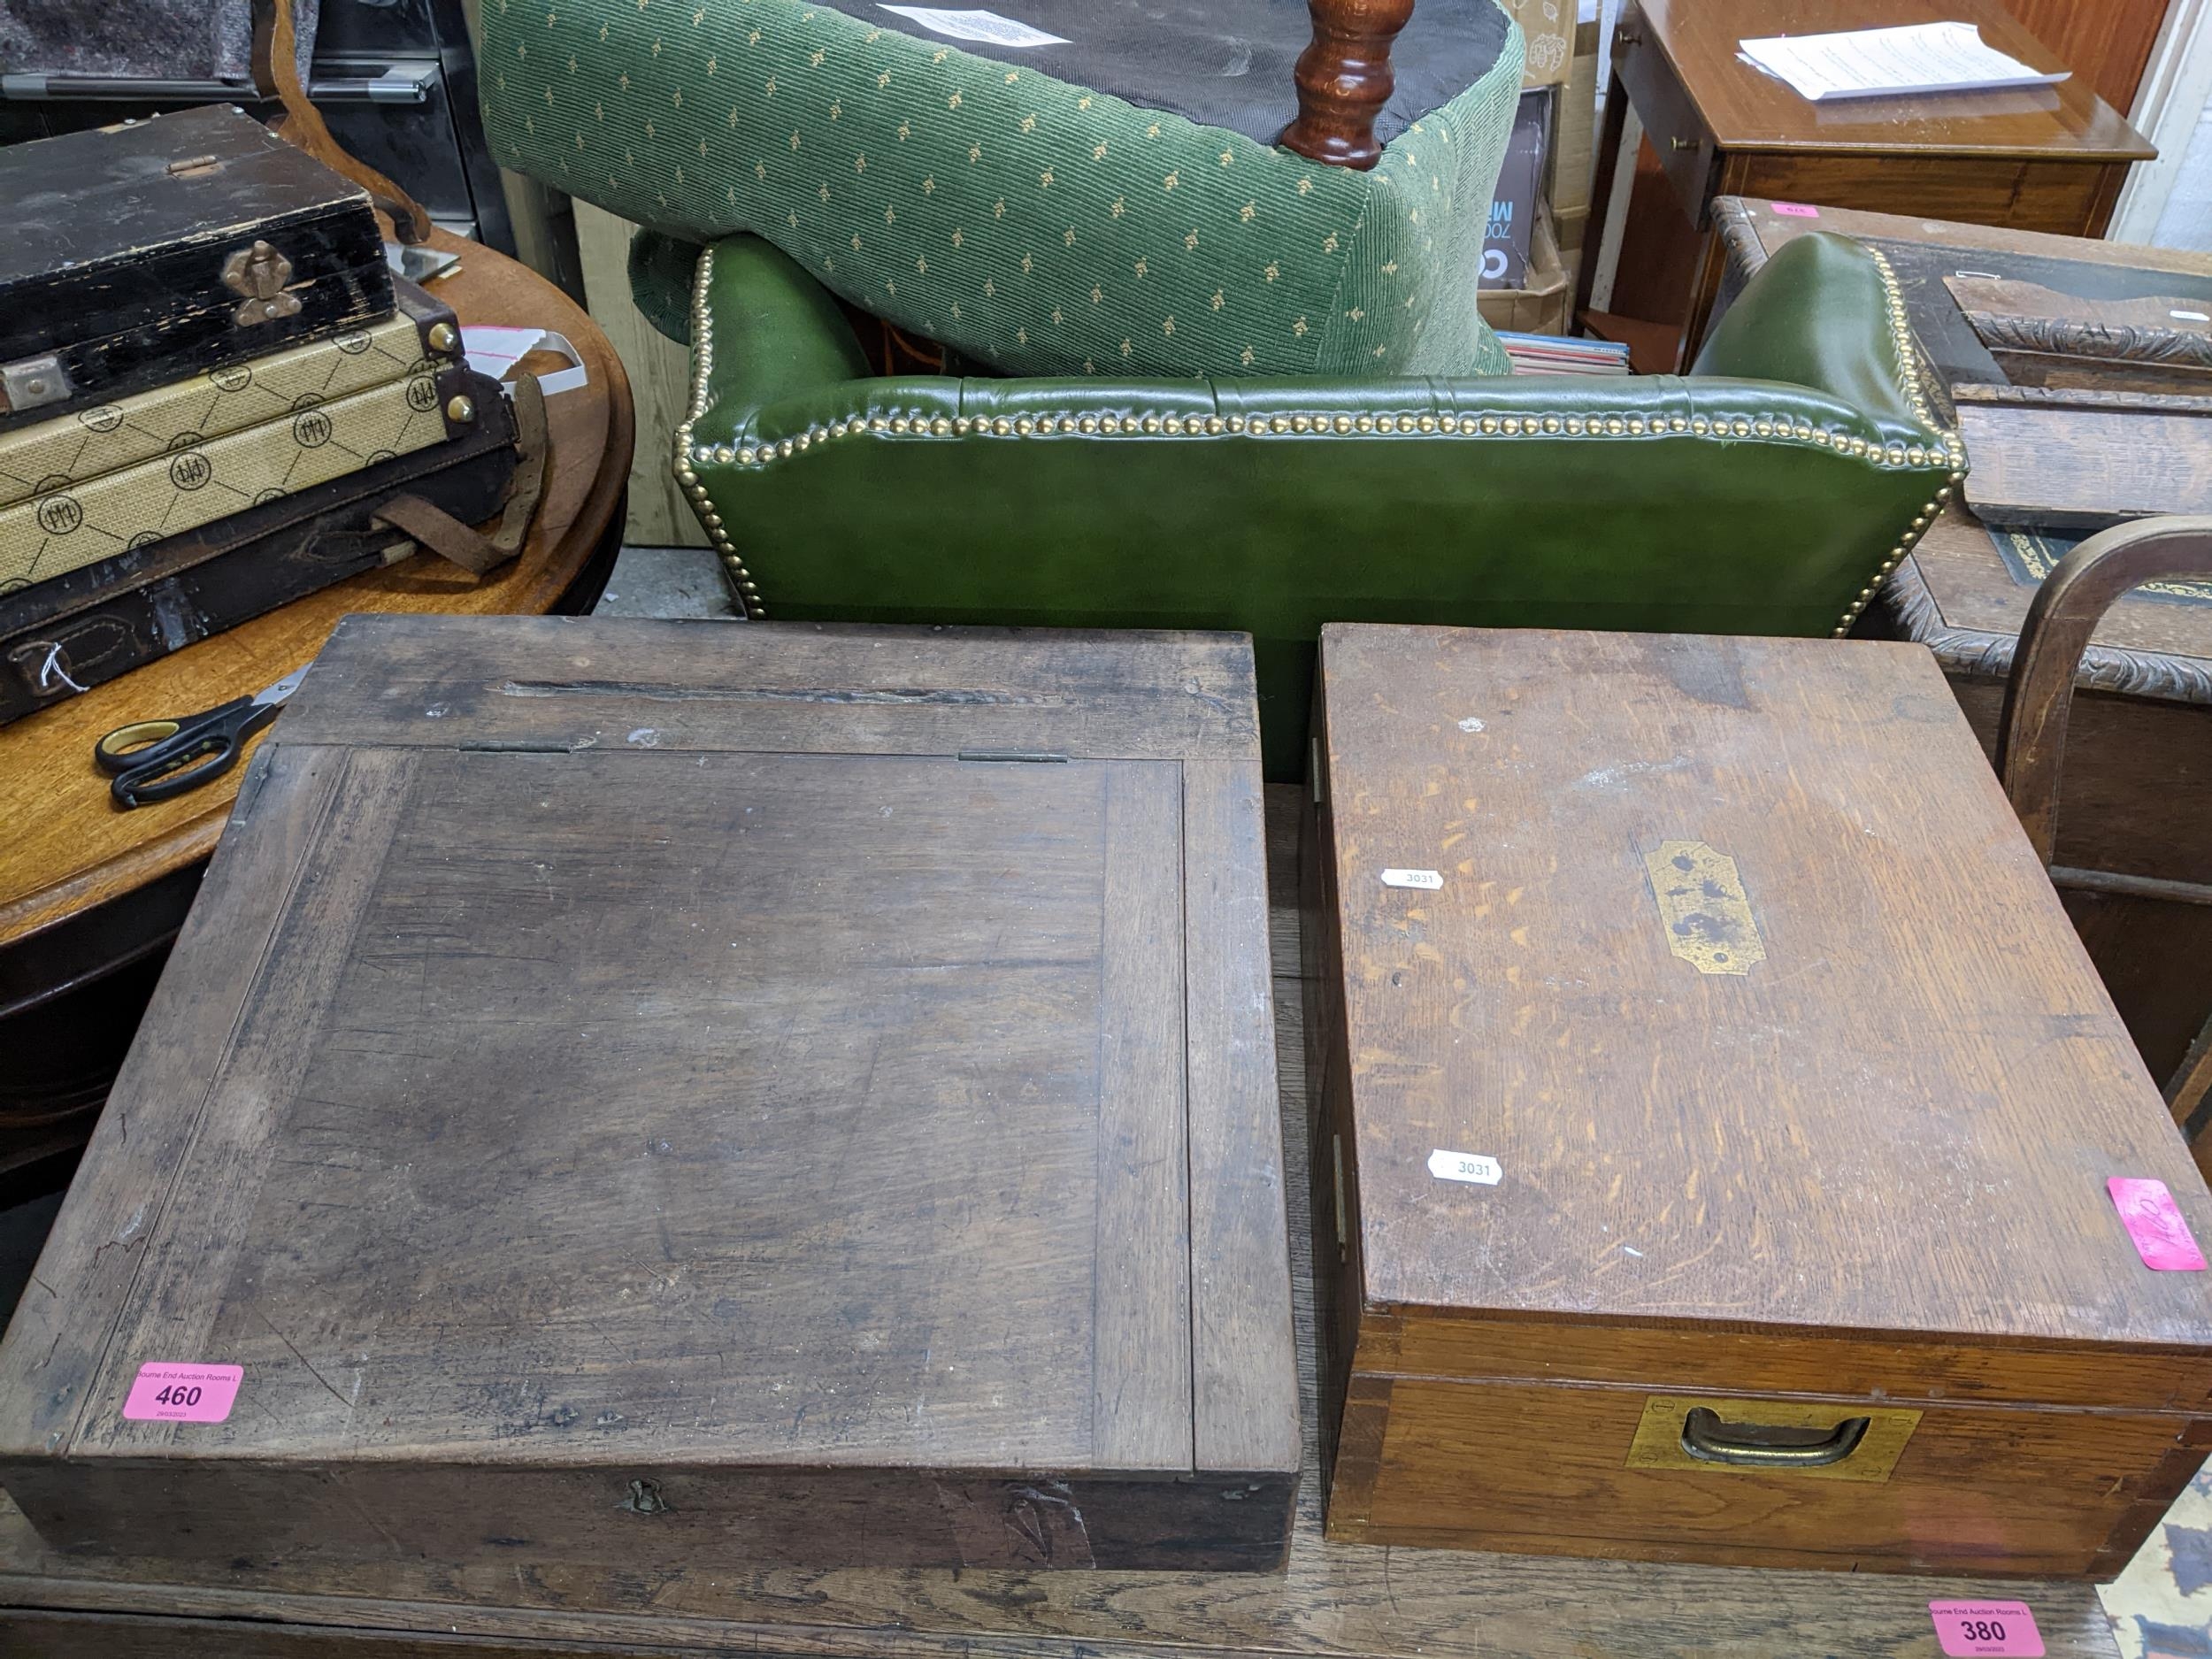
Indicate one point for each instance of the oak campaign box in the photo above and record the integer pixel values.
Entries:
(658, 1093)
(1716, 1116)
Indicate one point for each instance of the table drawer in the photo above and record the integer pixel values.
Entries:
(1603, 1471)
(1685, 145)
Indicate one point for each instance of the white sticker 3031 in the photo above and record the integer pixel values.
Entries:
(1428, 881)
(1465, 1166)
(987, 26)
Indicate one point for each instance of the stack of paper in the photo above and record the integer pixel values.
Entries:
(1891, 63)
(1553, 354)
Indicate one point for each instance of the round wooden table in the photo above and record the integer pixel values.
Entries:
(90, 894)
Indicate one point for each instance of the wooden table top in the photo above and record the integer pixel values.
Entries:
(69, 848)
(1748, 109)
(1774, 228)
(1335, 1602)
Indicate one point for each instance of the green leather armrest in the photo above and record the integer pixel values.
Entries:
(1765, 497)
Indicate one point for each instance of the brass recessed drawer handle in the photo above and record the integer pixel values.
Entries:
(1684, 143)
(1762, 1445)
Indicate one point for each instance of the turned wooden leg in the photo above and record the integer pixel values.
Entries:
(1344, 80)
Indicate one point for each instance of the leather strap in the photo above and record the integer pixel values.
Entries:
(466, 546)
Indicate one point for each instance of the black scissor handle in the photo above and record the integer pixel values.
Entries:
(145, 742)
(181, 754)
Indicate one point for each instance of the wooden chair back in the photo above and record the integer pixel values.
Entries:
(276, 70)
(2039, 695)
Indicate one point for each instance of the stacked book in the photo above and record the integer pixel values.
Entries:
(1555, 354)
(210, 385)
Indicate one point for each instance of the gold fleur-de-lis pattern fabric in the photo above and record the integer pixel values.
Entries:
(1036, 226)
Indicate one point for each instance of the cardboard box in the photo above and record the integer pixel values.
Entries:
(1574, 135)
(1541, 303)
(1513, 207)
(1548, 26)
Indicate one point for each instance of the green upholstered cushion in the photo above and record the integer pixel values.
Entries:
(1038, 226)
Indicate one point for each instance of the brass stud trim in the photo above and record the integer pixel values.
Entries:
(1774, 428)
(741, 585)
(1936, 446)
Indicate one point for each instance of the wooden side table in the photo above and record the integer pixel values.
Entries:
(89, 894)
(2044, 158)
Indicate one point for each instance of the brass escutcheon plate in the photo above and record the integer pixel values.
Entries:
(1703, 908)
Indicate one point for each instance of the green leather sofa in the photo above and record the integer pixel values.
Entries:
(1766, 493)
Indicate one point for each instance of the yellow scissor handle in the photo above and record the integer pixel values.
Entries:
(118, 744)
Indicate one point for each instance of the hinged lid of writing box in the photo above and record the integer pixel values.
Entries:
(644, 1091)
(1739, 1000)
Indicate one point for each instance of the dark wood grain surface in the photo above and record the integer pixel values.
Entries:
(740, 1068)
(2150, 646)
(2108, 45)
(2068, 460)
(1335, 1600)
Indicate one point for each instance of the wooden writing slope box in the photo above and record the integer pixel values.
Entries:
(1712, 1167)
(664, 1094)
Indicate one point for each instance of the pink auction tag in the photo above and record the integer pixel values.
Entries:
(183, 1394)
(1796, 209)
(2161, 1236)
(1996, 1630)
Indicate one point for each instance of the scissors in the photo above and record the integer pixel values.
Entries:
(152, 760)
